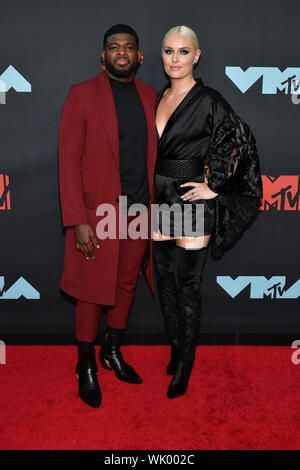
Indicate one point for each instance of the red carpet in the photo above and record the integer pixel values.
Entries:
(239, 398)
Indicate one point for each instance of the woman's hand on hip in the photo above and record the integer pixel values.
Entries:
(199, 191)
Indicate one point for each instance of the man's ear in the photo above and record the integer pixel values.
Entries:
(140, 57)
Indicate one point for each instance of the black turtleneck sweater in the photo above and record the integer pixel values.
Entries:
(133, 142)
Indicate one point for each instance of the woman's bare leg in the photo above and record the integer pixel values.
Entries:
(184, 242)
(158, 236)
(193, 243)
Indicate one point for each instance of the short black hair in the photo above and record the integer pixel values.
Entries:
(118, 29)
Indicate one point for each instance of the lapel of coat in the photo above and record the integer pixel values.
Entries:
(107, 113)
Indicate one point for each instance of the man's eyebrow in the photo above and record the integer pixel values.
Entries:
(117, 43)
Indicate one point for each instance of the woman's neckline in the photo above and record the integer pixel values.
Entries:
(197, 82)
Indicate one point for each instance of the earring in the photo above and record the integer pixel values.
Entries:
(141, 61)
(103, 65)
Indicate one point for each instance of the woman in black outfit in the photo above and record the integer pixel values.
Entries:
(208, 170)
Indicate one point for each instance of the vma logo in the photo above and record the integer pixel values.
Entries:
(4, 192)
(11, 78)
(273, 80)
(281, 193)
(21, 288)
(260, 287)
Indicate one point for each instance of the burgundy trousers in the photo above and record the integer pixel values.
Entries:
(131, 254)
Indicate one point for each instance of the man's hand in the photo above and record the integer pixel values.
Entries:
(85, 240)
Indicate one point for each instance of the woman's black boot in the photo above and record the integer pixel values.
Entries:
(164, 256)
(189, 265)
(87, 372)
(190, 305)
(111, 357)
(175, 355)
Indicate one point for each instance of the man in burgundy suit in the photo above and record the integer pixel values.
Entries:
(107, 149)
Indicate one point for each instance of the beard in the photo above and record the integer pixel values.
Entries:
(121, 73)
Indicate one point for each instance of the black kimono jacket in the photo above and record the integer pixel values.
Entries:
(204, 123)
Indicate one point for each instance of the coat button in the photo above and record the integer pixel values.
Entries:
(117, 199)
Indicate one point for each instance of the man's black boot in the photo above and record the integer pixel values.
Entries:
(164, 255)
(111, 357)
(87, 372)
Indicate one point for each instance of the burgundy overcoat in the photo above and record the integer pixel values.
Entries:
(89, 175)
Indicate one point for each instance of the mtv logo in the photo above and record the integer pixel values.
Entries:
(260, 287)
(4, 193)
(21, 288)
(281, 193)
(273, 79)
(11, 78)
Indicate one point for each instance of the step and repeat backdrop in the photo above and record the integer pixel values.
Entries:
(249, 54)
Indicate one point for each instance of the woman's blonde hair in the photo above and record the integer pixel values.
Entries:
(185, 31)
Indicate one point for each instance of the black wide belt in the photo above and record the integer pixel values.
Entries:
(179, 168)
